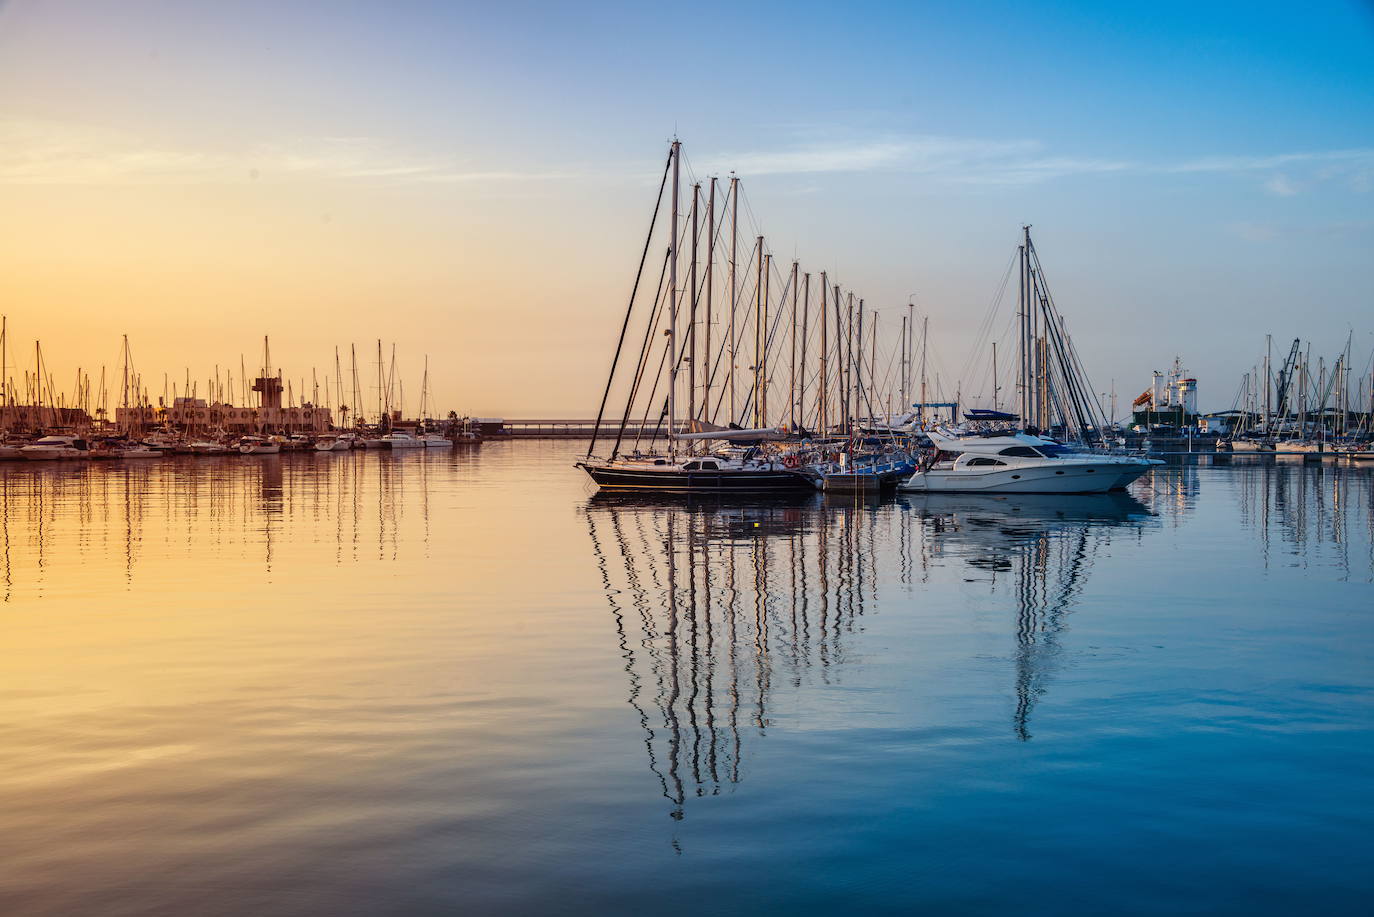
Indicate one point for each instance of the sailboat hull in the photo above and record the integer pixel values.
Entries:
(612, 477)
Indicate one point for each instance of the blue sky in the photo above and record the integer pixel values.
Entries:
(1198, 175)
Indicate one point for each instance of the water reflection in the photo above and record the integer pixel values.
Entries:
(719, 607)
(57, 517)
(716, 607)
(1039, 548)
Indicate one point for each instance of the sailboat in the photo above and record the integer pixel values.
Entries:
(744, 464)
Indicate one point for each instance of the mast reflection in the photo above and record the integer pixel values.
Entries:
(1044, 546)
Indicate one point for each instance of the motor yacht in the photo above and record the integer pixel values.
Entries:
(397, 439)
(56, 447)
(1009, 462)
(259, 445)
(10, 449)
(435, 441)
(331, 442)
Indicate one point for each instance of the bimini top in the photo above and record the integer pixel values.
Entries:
(983, 414)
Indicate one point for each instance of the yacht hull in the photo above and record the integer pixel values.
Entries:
(611, 477)
(1062, 478)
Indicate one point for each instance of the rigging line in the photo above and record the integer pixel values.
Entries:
(1071, 349)
(985, 328)
(644, 349)
(634, 291)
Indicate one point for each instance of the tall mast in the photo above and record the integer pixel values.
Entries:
(1023, 334)
(910, 350)
(841, 400)
(338, 382)
(353, 370)
(710, 274)
(873, 366)
(806, 309)
(672, 303)
(851, 397)
(859, 365)
(763, 365)
(901, 383)
(734, 287)
(792, 382)
(823, 384)
(693, 357)
(758, 329)
(1268, 355)
(925, 339)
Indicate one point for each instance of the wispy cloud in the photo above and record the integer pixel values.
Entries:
(1281, 185)
(1020, 162)
(65, 154)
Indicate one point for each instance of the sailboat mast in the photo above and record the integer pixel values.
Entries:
(841, 401)
(694, 358)
(792, 381)
(734, 286)
(758, 329)
(806, 310)
(710, 277)
(763, 365)
(859, 365)
(925, 339)
(672, 303)
(823, 384)
(1023, 336)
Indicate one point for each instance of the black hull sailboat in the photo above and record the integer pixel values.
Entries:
(676, 478)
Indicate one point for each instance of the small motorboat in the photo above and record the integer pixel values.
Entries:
(435, 441)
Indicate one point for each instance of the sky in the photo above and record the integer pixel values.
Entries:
(472, 181)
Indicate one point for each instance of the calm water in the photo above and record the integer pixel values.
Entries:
(458, 683)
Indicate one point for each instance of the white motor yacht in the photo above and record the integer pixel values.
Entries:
(259, 445)
(1008, 462)
(12, 448)
(330, 442)
(435, 441)
(137, 451)
(55, 447)
(397, 439)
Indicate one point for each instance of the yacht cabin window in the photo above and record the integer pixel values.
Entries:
(985, 461)
(1021, 452)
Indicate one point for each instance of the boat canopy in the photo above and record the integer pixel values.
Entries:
(983, 414)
